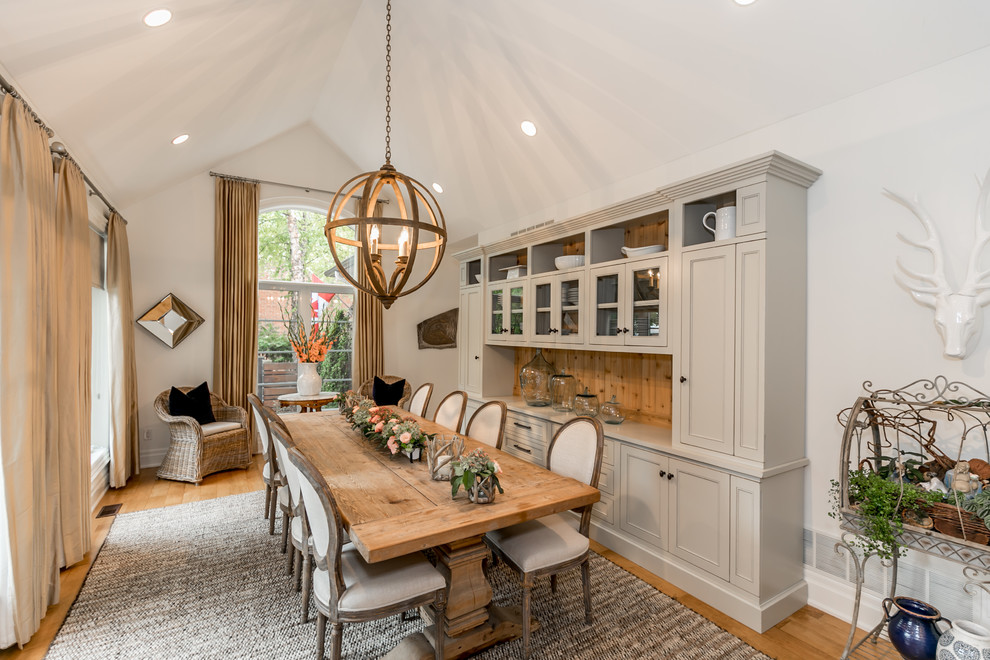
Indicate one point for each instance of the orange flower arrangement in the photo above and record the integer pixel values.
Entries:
(312, 346)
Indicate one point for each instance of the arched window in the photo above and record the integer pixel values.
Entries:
(297, 276)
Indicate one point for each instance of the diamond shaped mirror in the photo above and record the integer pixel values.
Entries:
(171, 320)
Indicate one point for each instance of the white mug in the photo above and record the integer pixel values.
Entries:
(725, 223)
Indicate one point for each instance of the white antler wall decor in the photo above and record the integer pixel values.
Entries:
(958, 313)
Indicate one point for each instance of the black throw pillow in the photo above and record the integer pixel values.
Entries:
(195, 403)
(385, 394)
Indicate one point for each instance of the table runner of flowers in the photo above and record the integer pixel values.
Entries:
(382, 425)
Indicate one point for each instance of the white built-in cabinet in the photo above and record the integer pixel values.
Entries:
(714, 503)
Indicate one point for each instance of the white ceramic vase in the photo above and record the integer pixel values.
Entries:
(965, 640)
(308, 381)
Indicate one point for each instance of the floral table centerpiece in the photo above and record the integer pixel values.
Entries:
(478, 473)
(405, 435)
(361, 415)
(311, 349)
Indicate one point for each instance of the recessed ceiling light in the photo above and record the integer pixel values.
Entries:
(744, 2)
(179, 139)
(528, 127)
(157, 17)
(438, 187)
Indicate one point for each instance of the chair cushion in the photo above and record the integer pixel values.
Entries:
(266, 473)
(385, 394)
(212, 428)
(195, 403)
(371, 586)
(542, 543)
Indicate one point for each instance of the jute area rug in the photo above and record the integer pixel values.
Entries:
(205, 580)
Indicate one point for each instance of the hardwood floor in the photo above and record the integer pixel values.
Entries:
(808, 634)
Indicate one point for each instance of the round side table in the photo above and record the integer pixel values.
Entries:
(310, 403)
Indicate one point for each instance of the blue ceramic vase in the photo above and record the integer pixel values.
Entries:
(912, 628)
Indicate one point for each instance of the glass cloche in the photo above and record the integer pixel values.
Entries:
(611, 412)
(563, 388)
(586, 404)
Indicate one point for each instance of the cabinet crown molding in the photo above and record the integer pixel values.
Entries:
(771, 163)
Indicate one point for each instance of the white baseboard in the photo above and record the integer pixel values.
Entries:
(99, 478)
(836, 597)
(153, 457)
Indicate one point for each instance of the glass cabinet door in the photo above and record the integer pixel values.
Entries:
(496, 317)
(607, 292)
(542, 310)
(648, 303)
(516, 313)
(569, 310)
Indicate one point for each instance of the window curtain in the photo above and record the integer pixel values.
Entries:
(369, 352)
(125, 453)
(235, 337)
(44, 373)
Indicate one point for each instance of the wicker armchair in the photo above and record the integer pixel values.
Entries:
(193, 454)
(366, 387)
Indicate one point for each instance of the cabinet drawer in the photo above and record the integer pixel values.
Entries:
(524, 450)
(606, 483)
(608, 453)
(603, 510)
(525, 429)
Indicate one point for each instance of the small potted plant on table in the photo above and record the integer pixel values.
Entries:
(478, 473)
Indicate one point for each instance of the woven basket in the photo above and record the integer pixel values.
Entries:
(959, 523)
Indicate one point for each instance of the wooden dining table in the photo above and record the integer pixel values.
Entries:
(391, 507)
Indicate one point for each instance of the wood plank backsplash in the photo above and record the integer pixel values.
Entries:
(642, 383)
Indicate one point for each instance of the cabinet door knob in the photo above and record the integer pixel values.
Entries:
(625, 330)
(683, 379)
(477, 357)
(662, 473)
(670, 475)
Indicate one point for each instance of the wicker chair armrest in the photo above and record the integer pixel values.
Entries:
(179, 419)
(230, 414)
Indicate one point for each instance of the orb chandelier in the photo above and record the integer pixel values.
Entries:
(414, 226)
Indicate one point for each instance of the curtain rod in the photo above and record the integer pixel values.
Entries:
(57, 148)
(273, 183)
(9, 89)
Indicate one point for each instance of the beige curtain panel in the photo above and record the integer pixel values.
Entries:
(73, 306)
(44, 373)
(125, 451)
(235, 338)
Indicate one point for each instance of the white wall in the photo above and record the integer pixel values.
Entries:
(928, 133)
(171, 241)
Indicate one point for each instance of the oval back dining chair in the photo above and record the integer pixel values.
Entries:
(487, 424)
(550, 544)
(421, 399)
(450, 412)
(347, 589)
(295, 529)
(271, 472)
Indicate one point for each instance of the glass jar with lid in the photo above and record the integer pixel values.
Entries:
(563, 388)
(534, 381)
(611, 412)
(586, 404)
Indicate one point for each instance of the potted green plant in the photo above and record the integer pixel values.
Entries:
(478, 473)
(881, 502)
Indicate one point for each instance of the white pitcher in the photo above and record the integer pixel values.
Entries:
(725, 223)
(964, 640)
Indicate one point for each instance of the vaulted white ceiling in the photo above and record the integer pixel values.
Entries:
(614, 87)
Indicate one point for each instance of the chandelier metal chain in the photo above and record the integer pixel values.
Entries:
(363, 241)
(388, 82)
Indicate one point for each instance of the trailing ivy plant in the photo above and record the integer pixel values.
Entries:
(880, 503)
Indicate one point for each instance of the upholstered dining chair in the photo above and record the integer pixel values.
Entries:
(450, 412)
(487, 424)
(367, 386)
(550, 544)
(197, 450)
(349, 590)
(421, 399)
(271, 472)
(295, 527)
